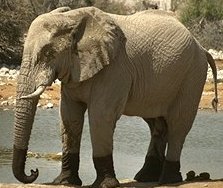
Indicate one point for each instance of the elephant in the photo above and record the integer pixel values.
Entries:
(146, 64)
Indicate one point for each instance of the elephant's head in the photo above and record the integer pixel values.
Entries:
(69, 45)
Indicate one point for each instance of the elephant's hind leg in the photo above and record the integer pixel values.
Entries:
(152, 167)
(179, 120)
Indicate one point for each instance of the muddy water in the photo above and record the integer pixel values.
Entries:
(203, 149)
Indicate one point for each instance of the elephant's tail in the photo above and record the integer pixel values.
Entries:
(211, 62)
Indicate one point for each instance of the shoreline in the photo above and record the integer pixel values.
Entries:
(128, 183)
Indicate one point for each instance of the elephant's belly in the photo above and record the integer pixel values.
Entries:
(145, 109)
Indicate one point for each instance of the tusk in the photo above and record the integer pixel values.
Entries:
(35, 94)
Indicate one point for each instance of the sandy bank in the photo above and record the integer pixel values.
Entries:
(127, 183)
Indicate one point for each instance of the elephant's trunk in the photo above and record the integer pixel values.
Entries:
(24, 117)
(18, 166)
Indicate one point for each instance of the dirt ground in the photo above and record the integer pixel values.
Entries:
(52, 94)
(210, 184)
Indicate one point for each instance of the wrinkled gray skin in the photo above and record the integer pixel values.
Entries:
(147, 65)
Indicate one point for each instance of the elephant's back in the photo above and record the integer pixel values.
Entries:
(153, 31)
(160, 50)
(156, 43)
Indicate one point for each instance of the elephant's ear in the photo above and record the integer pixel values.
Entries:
(96, 41)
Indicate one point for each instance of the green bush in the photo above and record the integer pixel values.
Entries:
(211, 10)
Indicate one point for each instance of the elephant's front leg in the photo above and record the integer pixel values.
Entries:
(152, 168)
(107, 102)
(72, 114)
(102, 129)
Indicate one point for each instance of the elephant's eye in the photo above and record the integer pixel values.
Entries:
(48, 53)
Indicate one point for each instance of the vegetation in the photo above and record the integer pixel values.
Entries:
(42, 6)
(17, 15)
(202, 17)
(211, 10)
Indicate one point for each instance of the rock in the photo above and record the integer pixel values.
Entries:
(4, 103)
(48, 156)
(220, 75)
(8, 72)
(190, 176)
(12, 72)
(2, 83)
(204, 176)
(216, 54)
(4, 71)
(12, 102)
(58, 82)
(60, 153)
(10, 98)
(45, 96)
(49, 105)
(210, 75)
(52, 156)
(35, 155)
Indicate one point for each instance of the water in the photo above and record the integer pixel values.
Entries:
(203, 149)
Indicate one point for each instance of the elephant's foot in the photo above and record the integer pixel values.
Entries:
(69, 173)
(150, 171)
(105, 182)
(105, 173)
(65, 178)
(170, 173)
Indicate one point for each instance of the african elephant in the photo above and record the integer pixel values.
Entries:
(147, 65)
